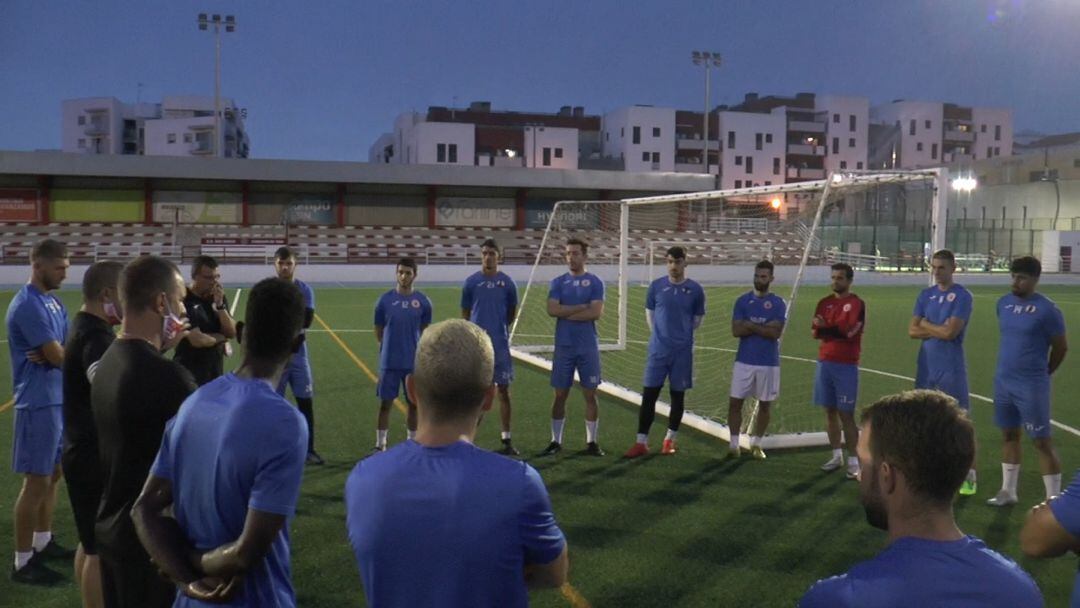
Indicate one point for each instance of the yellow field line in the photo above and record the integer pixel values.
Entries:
(357, 360)
(576, 599)
(4, 408)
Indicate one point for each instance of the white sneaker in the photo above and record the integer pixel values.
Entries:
(853, 470)
(1003, 499)
(833, 463)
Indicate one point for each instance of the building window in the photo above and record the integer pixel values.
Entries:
(171, 138)
(622, 131)
(730, 139)
(607, 136)
(558, 152)
(656, 131)
(989, 152)
(768, 138)
(843, 164)
(836, 145)
(738, 183)
(858, 166)
(738, 160)
(911, 127)
(82, 120)
(547, 157)
(982, 128)
(851, 123)
(749, 164)
(933, 151)
(927, 123)
(453, 152)
(440, 153)
(82, 143)
(836, 118)
(187, 138)
(918, 147)
(851, 142)
(775, 166)
(759, 138)
(997, 151)
(768, 183)
(997, 132)
(637, 135)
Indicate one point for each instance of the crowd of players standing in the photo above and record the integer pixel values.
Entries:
(174, 468)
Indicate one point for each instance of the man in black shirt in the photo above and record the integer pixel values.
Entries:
(202, 352)
(135, 392)
(90, 335)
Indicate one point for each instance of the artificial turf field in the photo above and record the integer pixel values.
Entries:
(688, 530)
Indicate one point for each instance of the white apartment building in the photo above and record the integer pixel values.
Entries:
(181, 125)
(419, 142)
(933, 133)
(847, 122)
(642, 136)
(753, 148)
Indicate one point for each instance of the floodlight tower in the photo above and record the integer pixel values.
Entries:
(229, 22)
(709, 60)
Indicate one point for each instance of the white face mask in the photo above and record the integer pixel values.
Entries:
(114, 313)
(171, 325)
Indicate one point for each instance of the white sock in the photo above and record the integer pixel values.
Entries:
(41, 539)
(643, 438)
(380, 438)
(506, 435)
(733, 443)
(410, 434)
(590, 430)
(1053, 485)
(852, 461)
(755, 441)
(21, 558)
(670, 435)
(971, 476)
(556, 429)
(838, 454)
(1010, 474)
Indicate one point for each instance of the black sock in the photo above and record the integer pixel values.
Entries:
(649, 395)
(307, 409)
(677, 400)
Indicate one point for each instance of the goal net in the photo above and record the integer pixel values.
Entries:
(801, 228)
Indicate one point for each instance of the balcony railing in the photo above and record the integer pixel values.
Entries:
(806, 149)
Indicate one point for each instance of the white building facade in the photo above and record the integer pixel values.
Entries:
(642, 136)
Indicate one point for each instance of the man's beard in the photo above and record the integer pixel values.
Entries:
(875, 509)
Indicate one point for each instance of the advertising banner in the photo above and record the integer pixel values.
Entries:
(573, 217)
(197, 207)
(311, 209)
(19, 206)
(86, 205)
(479, 212)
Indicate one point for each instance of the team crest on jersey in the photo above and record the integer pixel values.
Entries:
(416, 303)
(585, 282)
(847, 307)
(950, 297)
(767, 305)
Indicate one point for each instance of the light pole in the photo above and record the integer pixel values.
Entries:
(707, 59)
(205, 21)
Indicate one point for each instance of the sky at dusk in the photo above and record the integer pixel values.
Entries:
(323, 79)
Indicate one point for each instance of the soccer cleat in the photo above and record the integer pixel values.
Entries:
(757, 452)
(54, 550)
(35, 573)
(638, 449)
(553, 448)
(593, 449)
(314, 458)
(852, 470)
(668, 448)
(832, 464)
(733, 454)
(508, 449)
(968, 488)
(1003, 499)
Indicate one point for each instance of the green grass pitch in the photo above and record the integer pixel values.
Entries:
(683, 531)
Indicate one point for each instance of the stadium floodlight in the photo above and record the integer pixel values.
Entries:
(964, 184)
(229, 22)
(775, 202)
(708, 60)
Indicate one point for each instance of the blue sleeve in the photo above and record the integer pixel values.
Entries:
(920, 305)
(380, 313)
(699, 303)
(162, 466)
(828, 593)
(511, 293)
(1066, 507)
(555, 289)
(597, 290)
(738, 312)
(466, 295)
(277, 482)
(541, 537)
(650, 297)
(964, 304)
(33, 322)
(1055, 322)
(425, 316)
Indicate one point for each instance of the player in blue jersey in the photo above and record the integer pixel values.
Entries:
(914, 451)
(940, 319)
(401, 315)
(674, 308)
(757, 321)
(37, 328)
(215, 508)
(1032, 347)
(1052, 529)
(298, 373)
(576, 300)
(489, 299)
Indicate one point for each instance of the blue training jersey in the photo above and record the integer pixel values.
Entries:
(963, 573)
(569, 289)
(1027, 326)
(490, 300)
(402, 318)
(937, 307)
(673, 307)
(755, 349)
(309, 303)
(235, 444)
(33, 320)
(1066, 510)
(448, 526)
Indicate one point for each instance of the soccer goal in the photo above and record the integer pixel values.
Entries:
(873, 220)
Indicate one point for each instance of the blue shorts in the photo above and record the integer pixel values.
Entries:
(298, 376)
(676, 365)
(566, 360)
(1023, 402)
(504, 366)
(836, 385)
(391, 384)
(37, 444)
(951, 382)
